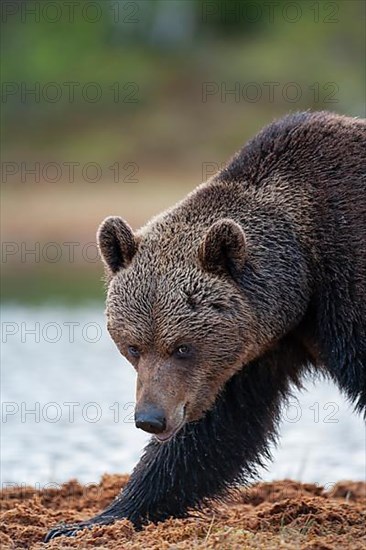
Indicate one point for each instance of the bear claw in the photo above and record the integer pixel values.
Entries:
(66, 531)
(70, 530)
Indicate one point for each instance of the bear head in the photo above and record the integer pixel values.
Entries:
(175, 310)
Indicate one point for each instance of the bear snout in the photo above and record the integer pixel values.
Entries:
(151, 419)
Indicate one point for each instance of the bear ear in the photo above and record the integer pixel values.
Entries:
(223, 249)
(117, 243)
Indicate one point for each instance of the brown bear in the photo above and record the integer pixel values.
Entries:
(224, 301)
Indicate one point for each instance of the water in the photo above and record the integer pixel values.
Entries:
(68, 398)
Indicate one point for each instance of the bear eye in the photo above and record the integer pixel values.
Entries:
(133, 351)
(183, 351)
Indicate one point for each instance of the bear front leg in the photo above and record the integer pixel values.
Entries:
(207, 457)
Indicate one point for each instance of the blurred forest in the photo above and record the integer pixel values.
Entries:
(121, 107)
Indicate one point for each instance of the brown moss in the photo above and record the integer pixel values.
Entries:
(283, 514)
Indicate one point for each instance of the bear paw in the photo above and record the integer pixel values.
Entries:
(71, 529)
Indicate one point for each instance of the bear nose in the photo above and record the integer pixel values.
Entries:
(151, 419)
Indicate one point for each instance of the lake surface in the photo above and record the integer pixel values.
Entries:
(68, 398)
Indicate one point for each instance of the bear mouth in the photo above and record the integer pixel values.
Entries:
(169, 434)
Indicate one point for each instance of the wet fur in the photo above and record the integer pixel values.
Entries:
(297, 190)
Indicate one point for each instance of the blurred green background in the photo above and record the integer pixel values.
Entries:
(121, 107)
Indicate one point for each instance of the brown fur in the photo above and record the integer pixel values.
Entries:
(181, 278)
